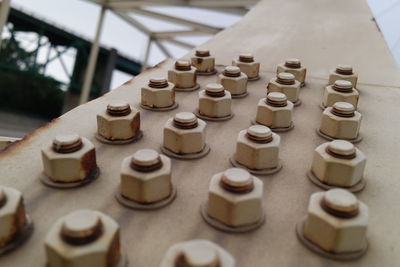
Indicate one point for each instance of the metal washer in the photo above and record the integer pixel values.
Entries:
(335, 256)
(354, 189)
(225, 228)
(140, 206)
(134, 139)
(93, 175)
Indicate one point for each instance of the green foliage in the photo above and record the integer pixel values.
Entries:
(22, 87)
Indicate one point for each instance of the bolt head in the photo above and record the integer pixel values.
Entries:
(341, 200)
(146, 157)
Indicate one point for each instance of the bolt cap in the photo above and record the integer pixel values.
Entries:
(293, 61)
(246, 57)
(158, 82)
(343, 108)
(340, 200)
(118, 108)
(214, 88)
(81, 224)
(259, 132)
(146, 157)
(185, 117)
(342, 148)
(200, 255)
(202, 52)
(237, 178)
(344, 68)
(183, 65)
(343, 84)
(232, 70)
(67, 143)
(286, 76)
(277, 97)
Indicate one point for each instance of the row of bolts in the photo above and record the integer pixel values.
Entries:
(78, 227)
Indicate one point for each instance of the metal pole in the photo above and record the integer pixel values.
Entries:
(4, 10)
(94, 51)
(146, 54)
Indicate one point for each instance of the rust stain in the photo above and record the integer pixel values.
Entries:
(17, 146)
(114, 251)
(88, 162)
(135, 124)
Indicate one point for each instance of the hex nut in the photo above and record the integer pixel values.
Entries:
(235, 198)
(215, 101)
(343, 72)
(203, 61)
(234, 81)
(69, 159)
(275, 111)
(257, 148)
(338, 163)
(83, 238)
(183, 75)
(341, 121)
(118, 122)
(285, 83)
(158, 93)
(293, 66)
(195, 253)
(184, 134)
(336, 222)
(146, 177)
(247, 65)
(340, 91)
(15, 225)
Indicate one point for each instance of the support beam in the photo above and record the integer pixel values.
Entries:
(162, 48)
(180, 21)
(4, 10)
(126, 4)
(133, 22)
(147, 53)
(170, 34)
(94, 51)
(180, 43)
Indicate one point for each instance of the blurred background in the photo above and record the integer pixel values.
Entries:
(57, 54)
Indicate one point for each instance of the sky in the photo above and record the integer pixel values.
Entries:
(80, 17)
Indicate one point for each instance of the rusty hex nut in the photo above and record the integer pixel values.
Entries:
(235, 198)
(233, 80)
(293, 66)
(247, 65)
(343, 72)
(83, 238)
(13, 220)
(184, 134)
(70, 158)
(215, 101)
(146, 177)
(203, 61)
(285, 83)
(118, 122)
(340, 91)
(336, 222)
(196, 253)
(338, 163)
(341, 121)
(275, 111)
(159, 93)
(257, 148)
(183, 75)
